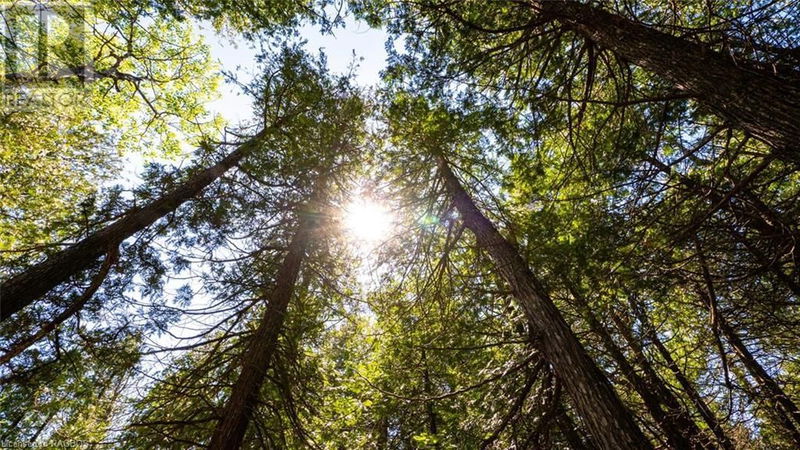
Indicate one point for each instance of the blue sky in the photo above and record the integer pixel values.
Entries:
(235, 55)
(354, 38)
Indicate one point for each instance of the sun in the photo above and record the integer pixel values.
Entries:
(367, 221)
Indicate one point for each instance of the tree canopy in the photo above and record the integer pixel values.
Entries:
(549, 224)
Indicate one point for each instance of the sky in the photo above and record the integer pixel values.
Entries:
(356, 38)
(238, 57)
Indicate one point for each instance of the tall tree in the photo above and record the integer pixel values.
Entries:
(230, 431)
(524, 38)
(21, 289)
(323, 143)
(607, 418)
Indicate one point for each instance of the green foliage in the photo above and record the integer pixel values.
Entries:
(149, 79)
(633, 206)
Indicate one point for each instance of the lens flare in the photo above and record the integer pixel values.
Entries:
(367, 221)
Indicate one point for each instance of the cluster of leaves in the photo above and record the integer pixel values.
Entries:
(142, 85)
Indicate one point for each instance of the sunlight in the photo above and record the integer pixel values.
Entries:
(367, 221)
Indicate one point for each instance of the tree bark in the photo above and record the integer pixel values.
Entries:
(686, 385)
(676, 423)
(257, 358)
(610, 423)
(97, 280)
(23, 288)
(770, 388)
(761, 103)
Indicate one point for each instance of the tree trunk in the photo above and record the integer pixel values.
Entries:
(22, 289)
(763, 104)
(22, 344)
(769, 387)
(686, 385)
(570, 431)
(610, 423)
(256, 360)
(678, 427)
(427, 386)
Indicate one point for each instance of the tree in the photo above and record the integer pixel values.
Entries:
(343, 138)
(523, 38)
(586, 385)
(551, 225)
(235, 416)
